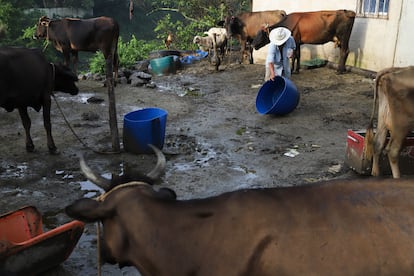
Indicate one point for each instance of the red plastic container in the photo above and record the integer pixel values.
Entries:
(26, 250)
(354, 155)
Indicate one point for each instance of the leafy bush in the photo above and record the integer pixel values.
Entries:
(129, 53)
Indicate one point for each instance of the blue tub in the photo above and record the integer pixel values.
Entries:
(278, 97)
(163, 65)
(143, 127)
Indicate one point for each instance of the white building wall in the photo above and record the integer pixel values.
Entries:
(375, 43)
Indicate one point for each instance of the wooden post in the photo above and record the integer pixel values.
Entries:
(113, 122)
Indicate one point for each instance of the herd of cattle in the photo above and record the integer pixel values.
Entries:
(341, 227)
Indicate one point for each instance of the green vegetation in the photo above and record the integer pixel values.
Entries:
(129, 53)
(146, 32)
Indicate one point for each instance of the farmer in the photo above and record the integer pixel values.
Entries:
(281, 48)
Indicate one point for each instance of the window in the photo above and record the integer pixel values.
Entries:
(373, 8)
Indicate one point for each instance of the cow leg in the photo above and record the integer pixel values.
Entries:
(296, 57)
(250, 54)
(75, 61)
(66, 58)
(393, 152)
(26, 124)
(47, 124)
(342, 58)
(379, 142)
(394, 147)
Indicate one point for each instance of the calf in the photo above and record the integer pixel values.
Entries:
(219, 36)
(28, 79)
(205, 43)
(394, 91)
(320, 229)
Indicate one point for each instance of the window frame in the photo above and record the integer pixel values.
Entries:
(377, 13)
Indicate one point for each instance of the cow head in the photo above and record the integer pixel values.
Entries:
(42, 26)
(64, 79)
(122, 209)
(234, 25)
(261, 39)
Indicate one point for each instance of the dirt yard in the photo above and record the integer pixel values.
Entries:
(216, 141)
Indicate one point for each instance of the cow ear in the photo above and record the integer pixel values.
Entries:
(85, 209)
(166, 193)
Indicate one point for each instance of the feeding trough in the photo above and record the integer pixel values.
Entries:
(278, 97)
(143, 127)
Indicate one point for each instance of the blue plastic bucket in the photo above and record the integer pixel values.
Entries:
(143, 127)
(277, 97)
(163, 65)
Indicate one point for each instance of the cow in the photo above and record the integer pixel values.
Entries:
(71, 35)
(337, 227)
(316, 27)
(394, 96)
(246, 25)
(27, 79)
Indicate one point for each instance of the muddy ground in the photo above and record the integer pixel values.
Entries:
(216, 141)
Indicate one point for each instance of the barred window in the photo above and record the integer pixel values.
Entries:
(373, 8)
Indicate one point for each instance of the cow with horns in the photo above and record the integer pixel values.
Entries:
(317, 27)
(342, 227)
(71, 35)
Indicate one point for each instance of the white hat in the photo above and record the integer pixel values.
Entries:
(279, 35)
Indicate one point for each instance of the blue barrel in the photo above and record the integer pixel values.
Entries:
(143, 127)
(278, 97)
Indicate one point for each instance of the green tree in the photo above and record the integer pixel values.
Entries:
(192, 17)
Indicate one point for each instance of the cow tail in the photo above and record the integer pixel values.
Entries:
(369, 135)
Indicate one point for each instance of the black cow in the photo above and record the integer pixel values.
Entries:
(28, 79)
(70, 35)
(342, 227)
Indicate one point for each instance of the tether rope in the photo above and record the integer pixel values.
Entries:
(76, 135)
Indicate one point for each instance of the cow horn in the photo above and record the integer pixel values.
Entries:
(160, 166)
(95, 178)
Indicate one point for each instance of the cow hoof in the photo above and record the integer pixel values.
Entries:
(53, 151)
(30, 148)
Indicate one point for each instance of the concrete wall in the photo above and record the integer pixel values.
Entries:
(375, 43)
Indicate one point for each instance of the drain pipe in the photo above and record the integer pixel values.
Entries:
(398, 34)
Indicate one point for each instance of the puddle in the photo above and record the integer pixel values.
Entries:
(249, 174)
(181, 90)
(15, 171)
(203, 154)
(80, 98)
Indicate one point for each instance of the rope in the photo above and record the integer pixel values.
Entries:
(76, 135)
(103, 196)
(98, 248)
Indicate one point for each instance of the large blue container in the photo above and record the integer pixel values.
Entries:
(278, 97)
(143, 127)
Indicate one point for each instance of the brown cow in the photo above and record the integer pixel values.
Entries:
(70, 35)
(394, 91)
(317, 27)
(343, 227)
(246, 25)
